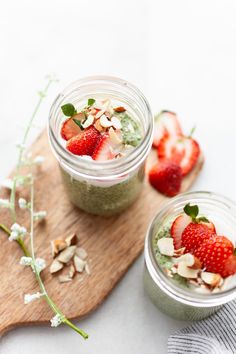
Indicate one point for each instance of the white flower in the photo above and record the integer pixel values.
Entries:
(26, 261)
(40, 264)
(56, 320)
(17, 231)
(5, 203)
(22, 203)
(40, 215)
(7, 183)
(31, 297)
(38, 160)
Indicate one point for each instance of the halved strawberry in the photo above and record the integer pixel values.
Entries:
(165, 124)
(194, 235)
(85, 142)
(182, 150)
(104, 149)
(177, 229)
(229, 266)
(70, 128)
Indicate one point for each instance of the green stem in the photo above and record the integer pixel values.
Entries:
(19, 241)
(38, 277)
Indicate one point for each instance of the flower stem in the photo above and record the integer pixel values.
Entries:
(19, 241)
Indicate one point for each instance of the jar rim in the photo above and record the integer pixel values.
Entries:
(177, 293)
(101, 169)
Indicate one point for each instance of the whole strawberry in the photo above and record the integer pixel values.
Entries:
(214, 252)
(85, 142)
(166, 177)
(193, 236)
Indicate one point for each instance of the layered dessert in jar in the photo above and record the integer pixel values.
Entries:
(190, 261)
(100, 130)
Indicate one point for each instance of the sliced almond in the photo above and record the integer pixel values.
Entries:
(114, 137)
(105, 122)
(79, 264)
(89, 121)
(55, 266)
(57, 246)
(108, 114)
(100, 113)
(98, 126)
(187, 272)
(81, 253)
(179, 252)
(71, 240)
(212, 279)
(166, 246)
(116, 123)
(190, 260)
(66, 255)
(64, 278)
(71, 271)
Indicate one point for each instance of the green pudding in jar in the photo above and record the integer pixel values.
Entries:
(101, 137)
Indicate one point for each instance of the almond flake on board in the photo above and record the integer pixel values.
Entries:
(64, 278)
(71, 240)
(87, 269)
(71, 271)
(57, 246)
(55, 266)
(79, 264)
(66, 255)
(81, 253)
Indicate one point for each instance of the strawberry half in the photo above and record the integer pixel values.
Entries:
(182, 150)
(85, 142)
(166, 177)
(165, 124)
(193, 236)
(70, 128)
(104, 149)
(214, 254)
(177, 229)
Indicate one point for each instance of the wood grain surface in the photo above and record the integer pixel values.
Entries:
(112, 244)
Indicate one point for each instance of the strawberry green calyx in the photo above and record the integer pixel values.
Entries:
(192, 211)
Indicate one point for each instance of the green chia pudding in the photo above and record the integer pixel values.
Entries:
(100, 131)
(193, 263)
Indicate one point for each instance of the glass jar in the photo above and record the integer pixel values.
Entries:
(167, 295)
(102, 187)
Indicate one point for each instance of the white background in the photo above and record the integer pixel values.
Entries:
(182, 55)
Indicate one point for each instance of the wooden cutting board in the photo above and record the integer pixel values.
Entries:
(112, 245)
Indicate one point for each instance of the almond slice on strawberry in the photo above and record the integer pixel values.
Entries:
(177, 228)
(70, 128)
(166, 123)
(104, 150)
(182, 150)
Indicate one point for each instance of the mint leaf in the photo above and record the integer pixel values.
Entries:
(78, 122)
(191, 210)
(91, 101)
(68, 109)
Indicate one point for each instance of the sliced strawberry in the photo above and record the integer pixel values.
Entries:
(166, 177)
(166, 124)
(216, 254)
(177, 229)
(182, 150)
(229, 266)
(104, 149)
(70, 128)
(85, 142)
(210, 226)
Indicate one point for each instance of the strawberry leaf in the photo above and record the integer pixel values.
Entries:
(191, 210)
(68, 109)
(202, 219)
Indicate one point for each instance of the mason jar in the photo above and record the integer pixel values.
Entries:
(172, 299)
(102, 187)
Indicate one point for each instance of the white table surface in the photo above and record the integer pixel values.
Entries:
(182, 55)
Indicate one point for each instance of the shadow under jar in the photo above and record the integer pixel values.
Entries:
(171, 298)
(102, 187)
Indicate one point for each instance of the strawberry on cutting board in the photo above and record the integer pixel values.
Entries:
(85, 142)
(166, 123)
(166, 177)
(182, 150)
